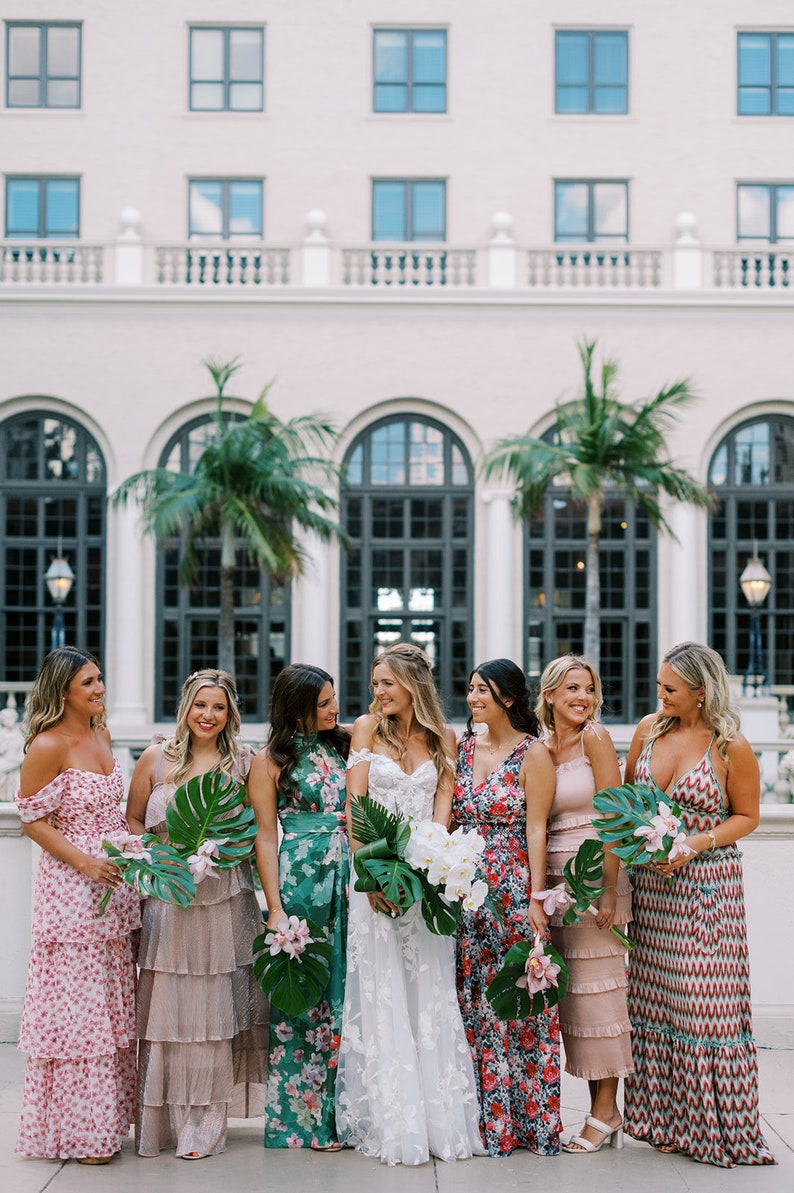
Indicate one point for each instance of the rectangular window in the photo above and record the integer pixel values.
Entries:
(765, 211)
(765, 74)
(591, 212)
(224, 208)
(227, 70)
(409, 209)
(42, 65)
(42, 208)
(410, 70)
(591, 72)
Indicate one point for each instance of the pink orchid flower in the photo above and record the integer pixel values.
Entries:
(654, 840)
(679, 848)
(540, 971)
(557, 898)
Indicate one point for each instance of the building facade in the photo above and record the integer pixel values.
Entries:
(408, 215)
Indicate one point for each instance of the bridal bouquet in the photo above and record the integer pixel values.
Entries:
(150, 867)
(640, 824)
(533, 978)
(417, 862)
(576, 895)
(291, 964)
(210, 825)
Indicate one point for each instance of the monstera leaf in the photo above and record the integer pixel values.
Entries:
(211, 807)
(158, 871)
(625, 809)
(293, 978)
(583, 875)
(508, 992)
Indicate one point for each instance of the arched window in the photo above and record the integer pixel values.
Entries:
(752, 474)
(408, 573)
(52, 501)
(187, 617)
(554, 587)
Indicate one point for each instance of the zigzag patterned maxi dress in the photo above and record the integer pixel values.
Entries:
(696, 1079)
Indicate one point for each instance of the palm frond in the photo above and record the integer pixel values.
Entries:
(211, 807)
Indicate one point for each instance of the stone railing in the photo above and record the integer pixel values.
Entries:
(51, 263)
(578, 268)
(755, 269)
(224, 264)
(498, 263)
(420, 265)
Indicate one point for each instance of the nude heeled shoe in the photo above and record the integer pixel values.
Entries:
(612, 1135)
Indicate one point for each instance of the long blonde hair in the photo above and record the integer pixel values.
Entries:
(411, 668)
(553, 675)
(701, 667)
(47, 698)
(178, 750)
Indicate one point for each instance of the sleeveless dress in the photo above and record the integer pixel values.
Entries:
(202, 1018)
(596, 1031)
(314, 864)
(405, 1085)
(78, 1021)
(517, 1064)
(696, 1079)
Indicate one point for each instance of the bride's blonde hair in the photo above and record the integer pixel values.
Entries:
(412, 669)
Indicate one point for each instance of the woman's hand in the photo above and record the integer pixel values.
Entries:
(668, 868)
(100, 869)
(275, 917)
(538, 920)
(379, 902)
(605, 914)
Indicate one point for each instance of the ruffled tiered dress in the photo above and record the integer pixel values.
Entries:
(78, 1022)
(696, 1082)
(596, 1031)
(202, 1018)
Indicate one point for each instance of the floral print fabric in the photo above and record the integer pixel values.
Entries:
(313, 876)
(78, 1022)
(517, 1064)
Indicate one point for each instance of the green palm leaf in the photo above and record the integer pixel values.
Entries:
(441, 917)
(511, 1002)
(371, 822)
(378, 869)
(211, 807)
(625, 809)
(167, 876)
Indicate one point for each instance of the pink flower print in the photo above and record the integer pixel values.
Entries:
(283, 1031)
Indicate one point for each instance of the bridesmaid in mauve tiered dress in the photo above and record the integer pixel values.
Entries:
(596, 1031)
(202, 1018)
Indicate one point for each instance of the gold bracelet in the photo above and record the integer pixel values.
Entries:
(711, 838)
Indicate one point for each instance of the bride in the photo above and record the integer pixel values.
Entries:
(405, 1086)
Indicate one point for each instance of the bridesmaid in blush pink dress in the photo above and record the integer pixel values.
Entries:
(78, 1022)
(596, 1031)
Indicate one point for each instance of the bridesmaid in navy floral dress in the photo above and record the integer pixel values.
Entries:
(504, 789)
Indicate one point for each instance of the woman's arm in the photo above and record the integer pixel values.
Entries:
(600, 750)
(262, 786)
(442, 801)
(538, 780)
(42, 764)
(141, 785)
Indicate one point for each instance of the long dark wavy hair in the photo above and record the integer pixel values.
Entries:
(293, 710)
(506, 681)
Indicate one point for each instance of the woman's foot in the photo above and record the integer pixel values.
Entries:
(594, 1135)
(194, 1156)
(326, 1147)
(667, 1148)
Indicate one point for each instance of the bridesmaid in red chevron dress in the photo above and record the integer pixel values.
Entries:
(695, 1089)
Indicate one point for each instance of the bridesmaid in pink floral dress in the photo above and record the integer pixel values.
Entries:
(78, 1022)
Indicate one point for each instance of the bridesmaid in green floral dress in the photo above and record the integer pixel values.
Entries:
(299, 780)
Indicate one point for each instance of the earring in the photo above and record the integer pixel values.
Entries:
(700, 703)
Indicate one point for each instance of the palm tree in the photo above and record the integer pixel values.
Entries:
(256, 479)
(601, 442)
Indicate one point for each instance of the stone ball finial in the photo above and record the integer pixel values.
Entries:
(501, 225)
(686, 226)
(130, 219)
(316, 223)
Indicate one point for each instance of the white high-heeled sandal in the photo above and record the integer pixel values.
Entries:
(612, 1135)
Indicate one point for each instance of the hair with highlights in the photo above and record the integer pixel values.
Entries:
(178, 749)
(701, 667)
(47, 698)
(554, 675)
(412, 669)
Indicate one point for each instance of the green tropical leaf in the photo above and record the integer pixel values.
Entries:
(625, 809)
(166, 877)
(583, 874)
(294, 984)
(371, 822)
(211, 807)
(394, 878)
(441, 917)
(512, 1002)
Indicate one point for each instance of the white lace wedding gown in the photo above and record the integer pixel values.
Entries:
(405, 1085)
